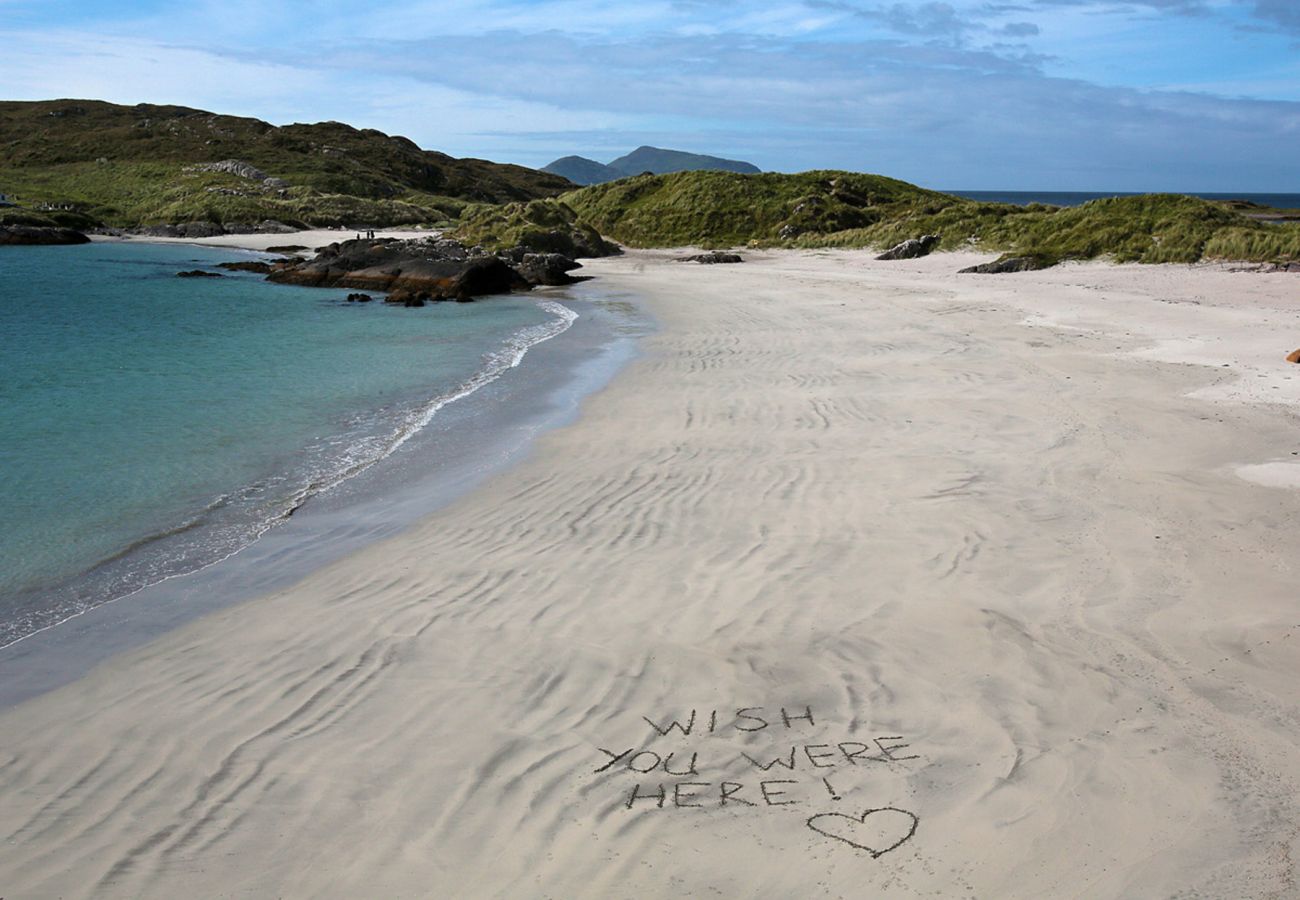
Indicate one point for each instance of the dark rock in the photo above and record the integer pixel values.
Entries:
(439, 267)
(29, 235)
(359, 298)
(713, 257)
(912, 248)
(545, 268)
(1011, 264)
(409, 299)
(287, 248)
(199, 273)
(261, 267)
(486, 275)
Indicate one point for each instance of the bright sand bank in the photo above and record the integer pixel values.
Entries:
(312, 239)
(987, 548)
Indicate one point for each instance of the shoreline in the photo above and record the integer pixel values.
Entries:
(974, 551)
(492, 425)
(260, 243)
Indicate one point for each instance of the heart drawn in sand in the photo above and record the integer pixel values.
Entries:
(876, 831)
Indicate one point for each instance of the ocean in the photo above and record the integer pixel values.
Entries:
(152, 425)
(1077, 198)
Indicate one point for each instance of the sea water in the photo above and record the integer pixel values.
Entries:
(152, 425)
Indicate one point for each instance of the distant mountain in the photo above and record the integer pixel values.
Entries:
(662, 162)
(581, 170)
(143, 164)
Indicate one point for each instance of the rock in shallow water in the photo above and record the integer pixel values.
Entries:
(432, 268)
(32, 235)
(547, 268)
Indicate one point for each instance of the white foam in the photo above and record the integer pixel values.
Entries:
(365, 452)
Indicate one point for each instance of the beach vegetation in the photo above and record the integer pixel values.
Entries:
(149, 164)
(840, 209)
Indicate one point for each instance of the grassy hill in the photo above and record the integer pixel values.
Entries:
(841, 209)
(144, 164)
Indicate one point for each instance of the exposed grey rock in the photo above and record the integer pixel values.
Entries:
(546, 268)
(912, 248)
(713, 257)
(1010, 264)
(232, 167)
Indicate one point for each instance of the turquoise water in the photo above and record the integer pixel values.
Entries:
(151, 425)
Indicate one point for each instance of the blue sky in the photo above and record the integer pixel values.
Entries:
(976, 94)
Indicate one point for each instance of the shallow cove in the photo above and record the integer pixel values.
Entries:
(372, 469)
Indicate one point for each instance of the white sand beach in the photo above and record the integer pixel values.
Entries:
(311, 239)
(1000, 568)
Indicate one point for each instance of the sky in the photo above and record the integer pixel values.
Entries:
(1123, 95)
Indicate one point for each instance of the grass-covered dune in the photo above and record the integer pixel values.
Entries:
(841, 209)
(540, 226)
(144, 164)
(725, 208)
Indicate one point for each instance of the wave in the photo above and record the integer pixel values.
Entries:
(233, 521)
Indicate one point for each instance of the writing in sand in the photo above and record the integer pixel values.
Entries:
(798, 769)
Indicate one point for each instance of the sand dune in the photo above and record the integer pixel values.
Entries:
(969, 555)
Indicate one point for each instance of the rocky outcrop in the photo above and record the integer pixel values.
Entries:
(183, 230)
(1010, 264)
(261, 267)
(1293, 356)
(547, 268)
(712, 258)
(235, 167)
(199, 273)
(409, 299)
(32, 235)
(428, 269)
(213, 229)
(912, 248)
(241, 169)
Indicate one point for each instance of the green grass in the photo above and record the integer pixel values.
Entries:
(127, 165)
(547, 226)
(723, 209)
(839, 209)
(133, 165)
